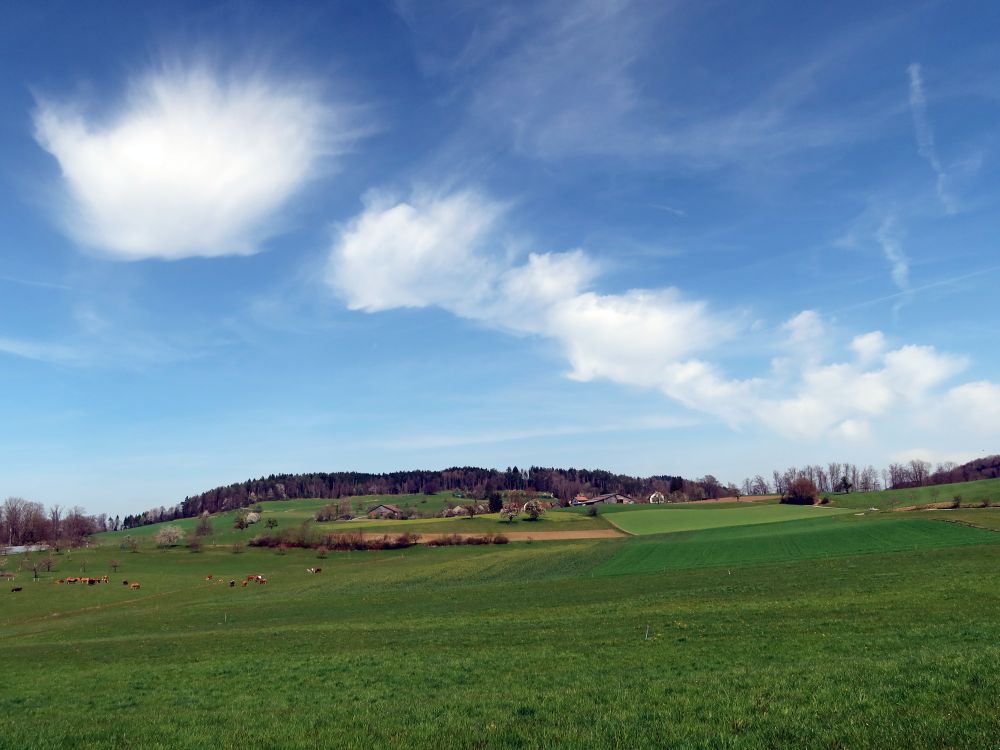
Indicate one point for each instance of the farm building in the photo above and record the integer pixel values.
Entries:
(385, 511)
(612, 498)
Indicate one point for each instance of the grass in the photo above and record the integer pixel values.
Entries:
(666, 518)
(795, 540)
(970, 492)
(732, 637)
(292, 513)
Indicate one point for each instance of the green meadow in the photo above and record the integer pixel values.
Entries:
(819, 630)
(655, 520)
(968, 493)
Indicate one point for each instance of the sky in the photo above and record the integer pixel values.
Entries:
(247, 238)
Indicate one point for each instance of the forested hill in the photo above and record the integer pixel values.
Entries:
(562, 483)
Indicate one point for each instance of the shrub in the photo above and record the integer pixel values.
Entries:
(204, 526)
(592, 511)
(533, 509)
(454, 540)
(326, 513)
(802, 491)
(349, 541)
(169, 536)
(194, 544)
(321, 552)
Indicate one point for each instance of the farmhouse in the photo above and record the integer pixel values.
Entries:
(385, 511)
(612, 498)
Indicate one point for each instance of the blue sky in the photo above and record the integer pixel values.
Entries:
(245, 238)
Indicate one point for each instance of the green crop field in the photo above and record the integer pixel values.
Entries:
(669, 518)
(795, 540)
(880, 630)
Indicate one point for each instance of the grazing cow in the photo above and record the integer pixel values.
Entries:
(208, 577)
(61, 580)
(124, 583)
(314, 570)
(91, 581)
(16, 588)
(72, 580)
(135, 586)
(104, 579)
(262, 580)
(245, 584)
(232, 584)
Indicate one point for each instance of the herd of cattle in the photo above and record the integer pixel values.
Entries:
(252, 578)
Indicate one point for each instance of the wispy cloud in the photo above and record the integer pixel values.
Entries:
(452, 440)
(195, 162)
(40, 351)
(556, 81)
(34, 283)
(925, 136)
(889, 238)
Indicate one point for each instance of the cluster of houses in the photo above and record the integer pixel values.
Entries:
(612, 498)
(389, 511)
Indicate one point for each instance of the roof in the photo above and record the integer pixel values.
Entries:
(387, 506)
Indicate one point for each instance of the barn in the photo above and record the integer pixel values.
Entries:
(385, 511)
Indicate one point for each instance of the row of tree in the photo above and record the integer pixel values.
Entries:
(849, 477)
(27, 522)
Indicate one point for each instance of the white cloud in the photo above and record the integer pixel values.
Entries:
(193, 163)
(976, 406)
(868, 346)
(446, 251)
(429, 251)
(925, 136)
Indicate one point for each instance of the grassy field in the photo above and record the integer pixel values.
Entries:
(841, 631)
(795, 540)
(968, 492)
(670, 518)
(292, 513)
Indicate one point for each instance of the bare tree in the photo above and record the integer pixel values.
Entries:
(55, 521)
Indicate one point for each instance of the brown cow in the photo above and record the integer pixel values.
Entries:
(208, 577)
(135, 586)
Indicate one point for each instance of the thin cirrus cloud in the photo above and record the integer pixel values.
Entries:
(193, 163)
(925, 136)
(435, 250)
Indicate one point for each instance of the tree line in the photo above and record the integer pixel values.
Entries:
(849, 477)
(27, 522)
